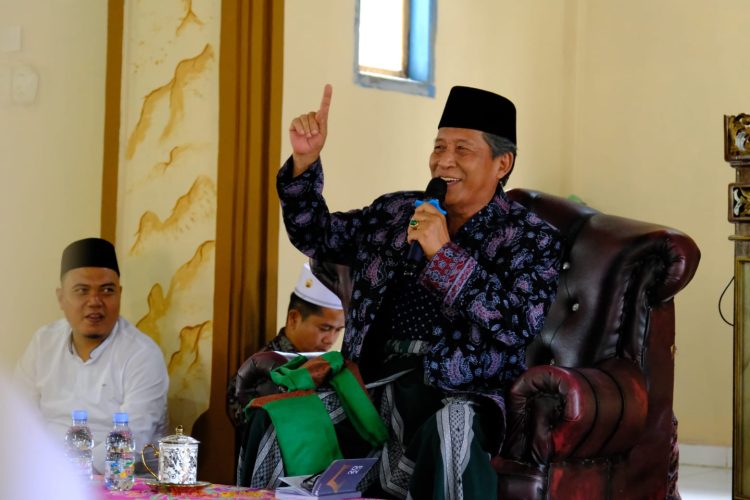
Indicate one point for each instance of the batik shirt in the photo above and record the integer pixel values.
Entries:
(494, 281)
(234, 406)
(280, 343)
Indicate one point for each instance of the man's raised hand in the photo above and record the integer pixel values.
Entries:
(307, 133)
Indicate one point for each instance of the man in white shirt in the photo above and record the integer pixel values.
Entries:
(93, 359)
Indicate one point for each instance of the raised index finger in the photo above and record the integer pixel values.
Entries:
(325, 103)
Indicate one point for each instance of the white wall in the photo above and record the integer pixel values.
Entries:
(50, 156)
(653, 81)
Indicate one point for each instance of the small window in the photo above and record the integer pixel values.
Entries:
(394, 46)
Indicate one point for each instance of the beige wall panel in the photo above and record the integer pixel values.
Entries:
(166, 220)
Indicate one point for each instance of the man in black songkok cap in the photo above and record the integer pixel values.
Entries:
(94, 359)
(89, 292)
(451, 333)
(493, 115)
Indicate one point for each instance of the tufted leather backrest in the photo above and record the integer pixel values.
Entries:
(615, 271)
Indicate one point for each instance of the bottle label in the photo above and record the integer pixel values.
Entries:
(122, 468)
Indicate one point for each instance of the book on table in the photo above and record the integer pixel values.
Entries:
(338, 481)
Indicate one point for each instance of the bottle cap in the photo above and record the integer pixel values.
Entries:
(80, 415)
(120, 418)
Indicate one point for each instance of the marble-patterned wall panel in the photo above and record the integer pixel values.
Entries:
(166, 214)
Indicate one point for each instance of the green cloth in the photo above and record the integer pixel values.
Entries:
(359, 409)
(305, 433)
(294, 377)
(306, 436)
(290, 376)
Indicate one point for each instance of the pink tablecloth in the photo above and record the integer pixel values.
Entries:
(144, 491)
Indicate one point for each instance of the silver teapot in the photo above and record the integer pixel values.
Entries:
(178, 458)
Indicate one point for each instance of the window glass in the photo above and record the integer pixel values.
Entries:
(383, 36)
(395, 42)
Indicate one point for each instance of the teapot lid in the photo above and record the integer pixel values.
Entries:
(178, 438)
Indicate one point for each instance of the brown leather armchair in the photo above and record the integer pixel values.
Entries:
(592, 417)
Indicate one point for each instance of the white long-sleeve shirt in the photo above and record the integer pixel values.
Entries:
(125, 373)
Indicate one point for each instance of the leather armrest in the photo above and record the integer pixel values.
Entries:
(253, 377)
(555, 413)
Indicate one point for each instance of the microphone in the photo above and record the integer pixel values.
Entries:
(434, 193)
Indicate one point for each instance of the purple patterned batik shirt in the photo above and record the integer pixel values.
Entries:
(494, 281)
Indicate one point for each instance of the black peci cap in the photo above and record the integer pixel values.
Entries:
(89, 252)
(477, 109)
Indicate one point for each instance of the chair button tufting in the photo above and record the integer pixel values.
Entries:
(566, 266)
(575, 306)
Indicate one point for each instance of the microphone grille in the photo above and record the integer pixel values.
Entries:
(436, 188)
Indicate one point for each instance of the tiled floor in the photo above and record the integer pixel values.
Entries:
(704, 483)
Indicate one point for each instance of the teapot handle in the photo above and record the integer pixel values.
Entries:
(143, 458)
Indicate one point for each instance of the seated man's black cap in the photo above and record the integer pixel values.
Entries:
(481, 110)
(89, 252)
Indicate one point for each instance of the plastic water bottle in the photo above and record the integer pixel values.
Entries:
(119, 462)
(79, 444)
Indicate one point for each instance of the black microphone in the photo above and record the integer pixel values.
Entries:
(435, 190)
